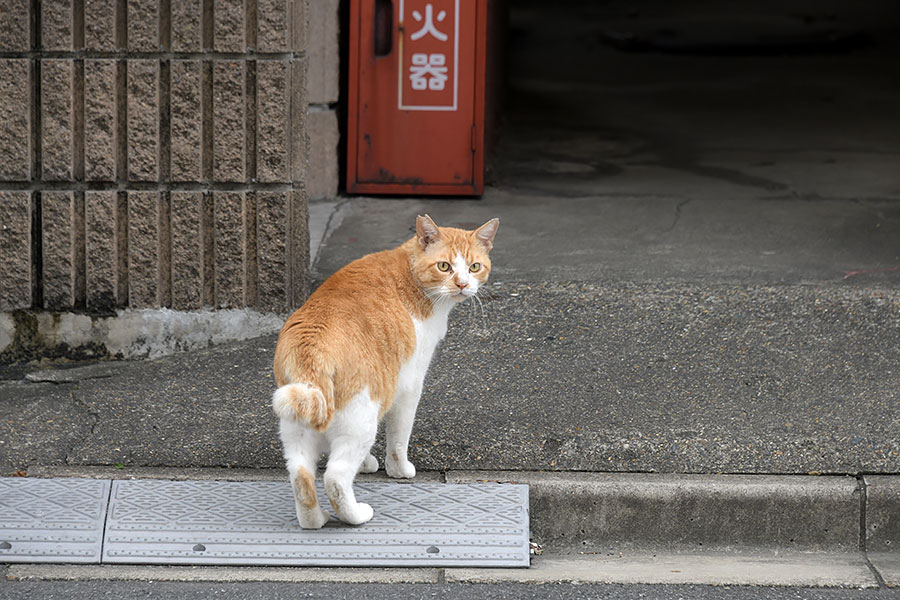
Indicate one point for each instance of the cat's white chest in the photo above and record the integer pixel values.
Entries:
(429, 333)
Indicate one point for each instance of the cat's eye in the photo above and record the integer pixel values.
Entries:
(475, 267)
(443, 266)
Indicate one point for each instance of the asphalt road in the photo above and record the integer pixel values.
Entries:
(121, 590)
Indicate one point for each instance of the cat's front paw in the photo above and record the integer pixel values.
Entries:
(399, 469)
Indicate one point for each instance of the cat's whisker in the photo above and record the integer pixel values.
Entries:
(431, 298)
(481, 306)
(433, 294)
(438, 292)
(425, 303)
(436, 298)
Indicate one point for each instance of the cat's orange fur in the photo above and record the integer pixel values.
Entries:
(360, 347)
(356, 329)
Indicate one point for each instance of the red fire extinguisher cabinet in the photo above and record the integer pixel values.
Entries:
(415, 122)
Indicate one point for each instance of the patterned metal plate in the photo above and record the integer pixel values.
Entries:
(254, 523)
(52, 520)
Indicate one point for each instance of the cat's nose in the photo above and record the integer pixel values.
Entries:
(462, 285)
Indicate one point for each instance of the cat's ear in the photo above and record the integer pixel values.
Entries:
(426, 231)
(485, 234)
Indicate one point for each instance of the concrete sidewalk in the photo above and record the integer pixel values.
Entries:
(582, 377)
(572, 361)
(576, 365)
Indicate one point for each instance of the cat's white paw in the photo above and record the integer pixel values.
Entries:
(361, 513)
(312, 519)
(399, 469)
(369, 465)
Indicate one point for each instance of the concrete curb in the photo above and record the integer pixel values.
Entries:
(577, 512)
(612, 512)
(882, 515)
(129, 334)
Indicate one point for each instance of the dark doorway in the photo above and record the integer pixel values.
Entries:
(789, 99)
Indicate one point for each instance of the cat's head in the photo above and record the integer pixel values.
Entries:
(450, 263)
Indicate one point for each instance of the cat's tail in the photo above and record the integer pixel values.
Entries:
(304, 403)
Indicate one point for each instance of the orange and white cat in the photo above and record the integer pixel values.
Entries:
(358, 350)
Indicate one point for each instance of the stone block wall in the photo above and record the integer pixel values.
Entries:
(153, 153)
(323, 85)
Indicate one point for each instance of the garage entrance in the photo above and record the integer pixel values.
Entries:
(779, 100)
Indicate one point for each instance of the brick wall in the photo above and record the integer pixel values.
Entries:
(153, 153)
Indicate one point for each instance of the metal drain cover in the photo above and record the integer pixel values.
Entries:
(52, 520)
(254, 523)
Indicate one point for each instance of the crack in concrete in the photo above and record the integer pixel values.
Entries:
(53, 379)
(677, 216)
(863, 541)
(95, 420)
(335, 216)
(878, 578)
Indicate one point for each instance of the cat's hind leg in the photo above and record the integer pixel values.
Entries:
(302, 448)
(350, 437)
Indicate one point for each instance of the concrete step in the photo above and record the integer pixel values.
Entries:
(686, 378)
(558, 376)
(610, 516)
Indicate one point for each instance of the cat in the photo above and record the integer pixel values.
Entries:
(357, 351)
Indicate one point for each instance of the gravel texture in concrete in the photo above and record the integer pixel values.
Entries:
(544, 376)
